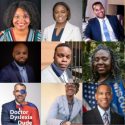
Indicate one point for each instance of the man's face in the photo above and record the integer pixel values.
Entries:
(99, 11)
(102, 62)
(19, 93)
(103, 96)
(70, 89)
(62, 57)
(20, 54)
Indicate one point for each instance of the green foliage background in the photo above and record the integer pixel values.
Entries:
(88, 48)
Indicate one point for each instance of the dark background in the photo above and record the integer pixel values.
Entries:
(34, 59)
(4, 5)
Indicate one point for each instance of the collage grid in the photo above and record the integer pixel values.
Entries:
(60, 64)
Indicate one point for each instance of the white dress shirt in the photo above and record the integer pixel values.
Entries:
(102, 112)
(111, 32)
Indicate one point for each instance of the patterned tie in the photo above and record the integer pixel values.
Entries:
(105, 119)
(23, 75)
(106, 32)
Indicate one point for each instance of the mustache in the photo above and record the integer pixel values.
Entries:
(19, 96)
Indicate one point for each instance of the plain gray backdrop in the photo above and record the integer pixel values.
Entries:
(47, 16)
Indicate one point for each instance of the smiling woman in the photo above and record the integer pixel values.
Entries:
(22, 26)
(105, 66)
(62, 30)
(66, 109)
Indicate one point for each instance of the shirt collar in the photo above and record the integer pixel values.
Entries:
(103, 111)
(57, 70)
(101, 19)
(19, 67)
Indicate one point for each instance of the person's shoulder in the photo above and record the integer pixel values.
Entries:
(117, 115)
(92, 20)
(111, 16)
(68, 24)
(90, 112)
(4, 33)
(30, 104)
(9, 104)
(47, 69)
(49, 27)
(78, 100)
(61, 98)
(6, 30)
(8, 67)
(36, 33)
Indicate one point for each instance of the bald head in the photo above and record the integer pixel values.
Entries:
(20, 53)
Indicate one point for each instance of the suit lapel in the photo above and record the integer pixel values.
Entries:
(97, 116)
(111, 23)
(113, 120)
(67, 31)
(66, 106)
(51, 32)
(76, 109)
(28, 74)
(17, 73)
(98, 29)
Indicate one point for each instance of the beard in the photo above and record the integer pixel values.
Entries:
(21, 63)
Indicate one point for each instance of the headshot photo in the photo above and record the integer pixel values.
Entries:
(102, 21)
(63, 63)
(22, 20)
(4, 4)
(104, 64)
(59, 20)
(19, 63)
(103, 114)
(64, 105)
(19, 104)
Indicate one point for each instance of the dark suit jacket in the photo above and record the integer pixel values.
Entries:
(93, 30)
(11, 73)
(94, 117)
(5, 116)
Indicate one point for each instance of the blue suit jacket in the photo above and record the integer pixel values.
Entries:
(11, 73)
(5, 116)
(93, 30)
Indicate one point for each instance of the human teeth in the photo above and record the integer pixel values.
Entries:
(105, 101)
(21, 24)
(60, 18)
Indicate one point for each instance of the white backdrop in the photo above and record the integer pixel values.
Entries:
(33, 94)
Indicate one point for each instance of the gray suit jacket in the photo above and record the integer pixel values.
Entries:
(59, 111)
(49, 76)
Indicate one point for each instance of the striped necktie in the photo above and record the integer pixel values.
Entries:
(23, 75)
(105, 119)
(106, 32)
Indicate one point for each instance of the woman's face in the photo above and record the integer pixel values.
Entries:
(21, 19)
(70, 89)
(60, 14)
(102, 62)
